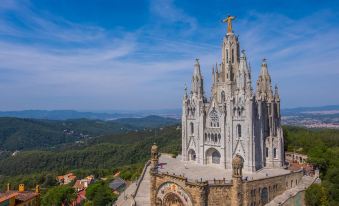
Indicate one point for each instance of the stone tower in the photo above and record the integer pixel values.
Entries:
(235, 120)
(153, 170)
(236, 191)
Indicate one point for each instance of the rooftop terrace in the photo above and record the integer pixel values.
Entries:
(195, 172)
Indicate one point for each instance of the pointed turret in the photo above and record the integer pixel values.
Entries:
(213, 76)
(244, 77)
(185, 95)
(197, 81)
(197, 71)
(264, 87)
(276, 94)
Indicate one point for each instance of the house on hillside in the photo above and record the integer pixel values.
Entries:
(20, 197)
(81, 197)
(66, 179)
(117, 185)
(83, 183)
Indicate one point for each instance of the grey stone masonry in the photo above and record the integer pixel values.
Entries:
(235, 120)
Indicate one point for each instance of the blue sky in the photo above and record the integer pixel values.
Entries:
(135, 54)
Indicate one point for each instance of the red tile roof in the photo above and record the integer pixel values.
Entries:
(7, 195)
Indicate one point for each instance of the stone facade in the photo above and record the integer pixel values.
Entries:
(235, 120)
(177, 190)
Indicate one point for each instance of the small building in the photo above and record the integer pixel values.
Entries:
(117, 185)
(296, 157)
(20, 197)
(8, 199)
(66, 179)
(83, 183)
(81, 197)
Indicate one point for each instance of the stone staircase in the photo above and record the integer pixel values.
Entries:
(138, 193)
(143, 194)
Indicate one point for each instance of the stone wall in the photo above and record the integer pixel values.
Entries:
(254, 190)
(219, 195)
(219, 192)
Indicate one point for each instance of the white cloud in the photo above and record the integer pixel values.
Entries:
(67, 65)
(169, 14)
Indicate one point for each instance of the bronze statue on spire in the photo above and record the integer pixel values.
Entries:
(229, 20)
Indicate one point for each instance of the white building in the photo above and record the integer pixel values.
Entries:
(235, 119)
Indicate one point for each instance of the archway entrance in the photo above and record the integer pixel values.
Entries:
(172, 199)
(171, 194)
(212, 156)
(191, 155)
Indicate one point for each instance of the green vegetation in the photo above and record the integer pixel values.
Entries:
(316, 195)
(56, 196)
(101, 156)
(127, 149)
(27, 134)
(111, 149)
(322, 148)
(99, 194)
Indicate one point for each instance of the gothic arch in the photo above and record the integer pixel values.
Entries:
(172, 194)
(172, 199)
(213, 156)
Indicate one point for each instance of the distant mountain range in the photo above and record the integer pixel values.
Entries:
(72, 114)
(172, 113)
(311, 110)
(19, 133)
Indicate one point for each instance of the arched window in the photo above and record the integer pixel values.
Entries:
(232, 55)
(192, 128)
(205, 137)
(219, 137)
(216, 157)
(239, 130)
(264, 195)
(209, 137)
(227, 55)
(275, 152)
(222, 96)
(214, 117)
(266, 151)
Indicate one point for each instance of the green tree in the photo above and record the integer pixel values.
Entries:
(316, 195)
(59, 195)
(99, 194)
(49, 181)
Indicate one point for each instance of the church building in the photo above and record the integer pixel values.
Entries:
(232, 144)
(235, 120)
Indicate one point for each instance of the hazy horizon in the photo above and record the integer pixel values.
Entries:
(144, 110)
